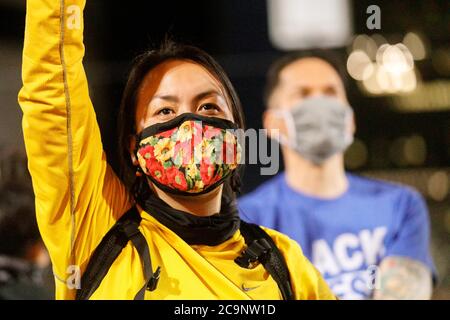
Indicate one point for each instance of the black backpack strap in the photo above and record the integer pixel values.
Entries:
(112, 244)
(261, 248)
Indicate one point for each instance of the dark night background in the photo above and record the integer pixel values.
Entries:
(236, 33)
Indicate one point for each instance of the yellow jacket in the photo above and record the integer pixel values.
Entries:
(79, 197)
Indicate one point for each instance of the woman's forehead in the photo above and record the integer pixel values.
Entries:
(179, 77)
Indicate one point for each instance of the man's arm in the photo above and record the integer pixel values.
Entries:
(402, 278)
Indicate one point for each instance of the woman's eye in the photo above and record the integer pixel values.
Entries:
(209, 107)
(165, 111)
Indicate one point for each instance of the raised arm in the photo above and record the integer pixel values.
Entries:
(78, 197)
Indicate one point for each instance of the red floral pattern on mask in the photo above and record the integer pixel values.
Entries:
(190, 157)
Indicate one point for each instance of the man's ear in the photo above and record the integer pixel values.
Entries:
(353, 125)
(351, 129)
(267, 121)
(273, 121)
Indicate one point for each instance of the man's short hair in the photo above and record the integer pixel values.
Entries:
(273, 75)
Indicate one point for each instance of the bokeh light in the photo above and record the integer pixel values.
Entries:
(382, 68)
(415, 150)
(356, 155)
(359, 65)
(438, 186)
(415, 45)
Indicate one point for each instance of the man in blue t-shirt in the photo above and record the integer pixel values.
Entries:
(369, 239)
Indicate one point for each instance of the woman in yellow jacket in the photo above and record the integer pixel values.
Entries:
(177, 109)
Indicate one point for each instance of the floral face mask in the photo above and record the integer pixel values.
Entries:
(190, 154)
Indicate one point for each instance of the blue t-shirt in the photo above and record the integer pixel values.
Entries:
(346, 237)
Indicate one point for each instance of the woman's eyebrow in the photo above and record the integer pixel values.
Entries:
(198, 97)
(166, 97)
(207, 94)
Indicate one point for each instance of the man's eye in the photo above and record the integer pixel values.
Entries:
(165, 111)
(330, 91)
(305, 92)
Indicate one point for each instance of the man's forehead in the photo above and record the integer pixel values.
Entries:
(310, 71)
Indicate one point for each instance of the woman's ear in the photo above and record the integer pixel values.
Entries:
(134, 160)
(132, 148)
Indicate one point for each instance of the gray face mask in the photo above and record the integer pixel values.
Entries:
(318, 128)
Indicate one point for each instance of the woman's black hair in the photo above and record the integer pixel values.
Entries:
(142, 65)
(273, 75)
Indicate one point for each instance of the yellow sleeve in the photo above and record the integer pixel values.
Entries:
(78, 196)
(307, 282)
